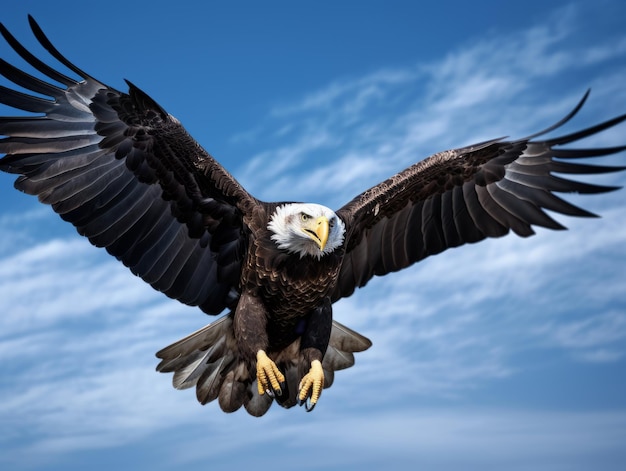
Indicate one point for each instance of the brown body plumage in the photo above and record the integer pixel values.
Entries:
(132, 180)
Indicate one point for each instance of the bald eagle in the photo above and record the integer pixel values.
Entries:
(130, 178)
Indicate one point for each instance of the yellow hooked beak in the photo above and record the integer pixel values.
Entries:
(318, 230)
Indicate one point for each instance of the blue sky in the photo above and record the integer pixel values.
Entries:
(508, 354)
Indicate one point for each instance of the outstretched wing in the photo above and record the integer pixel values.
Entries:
(463, 196)
(128, 176)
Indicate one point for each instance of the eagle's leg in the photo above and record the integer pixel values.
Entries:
(250, 326)
(313, 347)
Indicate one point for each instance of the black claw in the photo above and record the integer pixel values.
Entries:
(307, 403)
(271, 392)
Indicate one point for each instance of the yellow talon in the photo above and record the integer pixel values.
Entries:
(311, 385)
(269, 377)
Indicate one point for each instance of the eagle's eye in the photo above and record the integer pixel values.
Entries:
(331, 223)
(304, 217)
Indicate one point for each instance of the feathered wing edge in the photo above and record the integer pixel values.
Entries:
(207, 359)
(464, 196)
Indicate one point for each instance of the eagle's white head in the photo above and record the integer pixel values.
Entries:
(306, 229)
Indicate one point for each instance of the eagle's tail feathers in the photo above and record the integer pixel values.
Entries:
(256, 404)
(208, 360)
(199, 340)
(233, 392)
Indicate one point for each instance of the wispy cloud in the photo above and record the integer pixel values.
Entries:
(349, 97)
(599, 338)
(391, 118)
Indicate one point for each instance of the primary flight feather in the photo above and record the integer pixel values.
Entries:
(129, 177)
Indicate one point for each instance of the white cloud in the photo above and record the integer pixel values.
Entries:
(358, 91)
(593, 333)
(61, 279)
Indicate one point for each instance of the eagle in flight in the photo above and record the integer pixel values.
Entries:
(131, 179)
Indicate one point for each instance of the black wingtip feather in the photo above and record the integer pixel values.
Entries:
(562, 121)
(48, 46)
(576, 136)
(34, 61)
(586, 153)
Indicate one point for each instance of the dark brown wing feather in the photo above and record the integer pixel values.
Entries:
(463, 196)
(128, 176)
